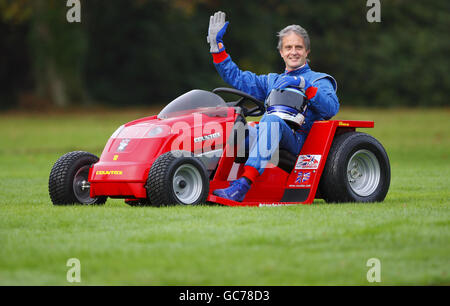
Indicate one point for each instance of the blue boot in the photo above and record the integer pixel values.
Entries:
(236, 192)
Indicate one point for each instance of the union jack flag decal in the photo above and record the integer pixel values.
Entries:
(302, 177)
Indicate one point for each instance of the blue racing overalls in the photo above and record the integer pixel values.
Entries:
(272, 130)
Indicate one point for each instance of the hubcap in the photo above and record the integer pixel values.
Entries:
(187, 184)
(363, 172)
(82, 187)
(182, 184)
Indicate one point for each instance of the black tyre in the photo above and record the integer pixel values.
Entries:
(68, 183)
(357, 170)
(177, 178)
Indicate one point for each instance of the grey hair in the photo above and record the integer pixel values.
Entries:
(297, 30)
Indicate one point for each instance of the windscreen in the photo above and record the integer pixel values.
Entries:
(191, 101)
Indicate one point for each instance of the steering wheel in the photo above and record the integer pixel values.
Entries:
(258, 110)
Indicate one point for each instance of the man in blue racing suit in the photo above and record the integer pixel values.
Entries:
(319, 88)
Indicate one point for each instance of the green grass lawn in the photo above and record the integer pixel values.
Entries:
(319, 244)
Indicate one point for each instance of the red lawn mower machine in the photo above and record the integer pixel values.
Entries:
(196, 145)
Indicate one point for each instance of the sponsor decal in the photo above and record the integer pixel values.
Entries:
(108, 172)
(343, 123)
(206, 137)
(274, 204)
(303, 177)
(308, 162)
(115, 157)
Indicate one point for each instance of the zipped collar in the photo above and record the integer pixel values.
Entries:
(299, 70)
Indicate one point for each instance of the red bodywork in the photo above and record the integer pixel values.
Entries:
(123, 168)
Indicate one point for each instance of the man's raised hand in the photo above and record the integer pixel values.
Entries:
(216, 30)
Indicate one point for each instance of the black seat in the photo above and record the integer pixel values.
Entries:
(286, 160)
(238, 136)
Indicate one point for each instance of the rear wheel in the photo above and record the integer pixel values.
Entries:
(68, 182)
(177, 178)
(357, 170)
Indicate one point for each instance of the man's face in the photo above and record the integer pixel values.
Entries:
(293, 51)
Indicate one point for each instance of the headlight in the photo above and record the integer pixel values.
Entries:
(156, 131)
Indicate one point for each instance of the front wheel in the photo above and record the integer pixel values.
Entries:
(68, 182)
(357, 170)
(177, 177)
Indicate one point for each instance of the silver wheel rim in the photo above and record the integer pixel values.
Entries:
(187, 184)
(363, 173)
(82, 187)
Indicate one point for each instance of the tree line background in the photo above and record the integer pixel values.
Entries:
(142, 52)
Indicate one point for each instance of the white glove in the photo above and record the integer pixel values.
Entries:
(216, 30)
